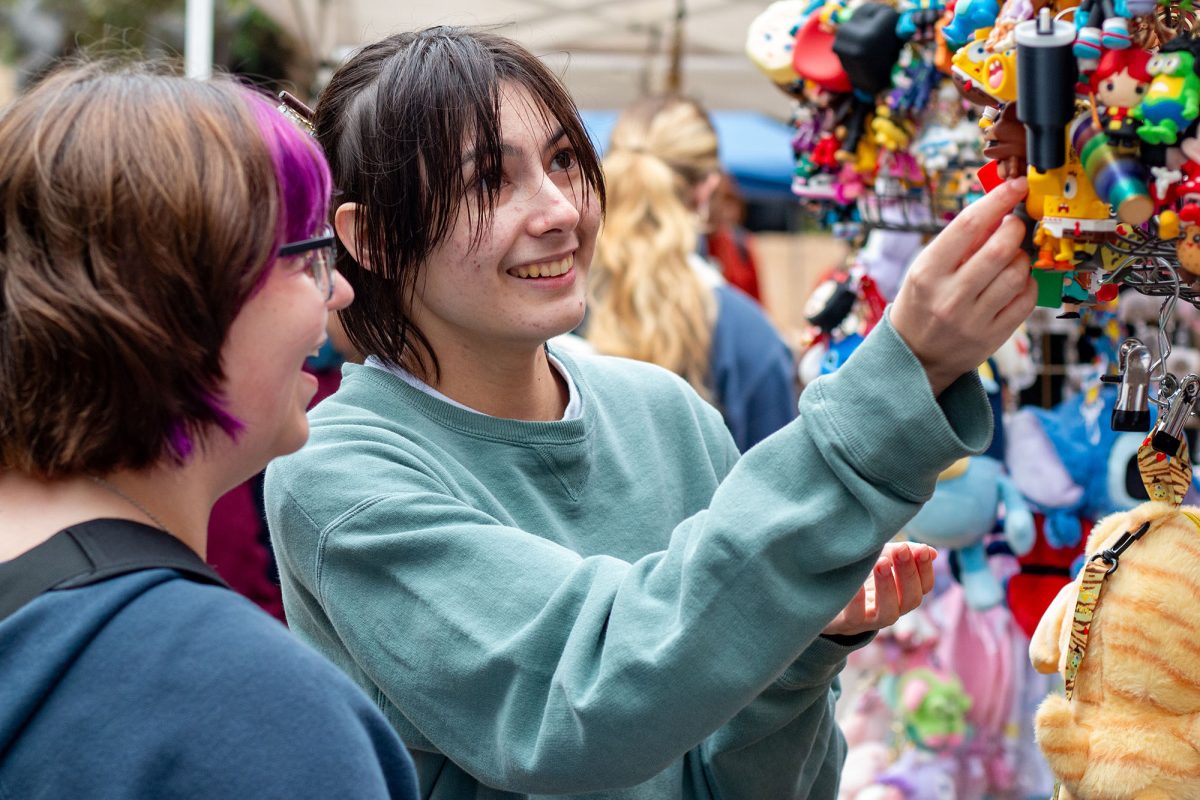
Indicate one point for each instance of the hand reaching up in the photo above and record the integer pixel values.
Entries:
(903, 575)
(969, 288)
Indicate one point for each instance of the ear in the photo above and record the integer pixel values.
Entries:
(345, 224)
(703, 192)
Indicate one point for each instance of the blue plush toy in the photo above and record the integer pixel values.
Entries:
(963, 510)
(1069, 463)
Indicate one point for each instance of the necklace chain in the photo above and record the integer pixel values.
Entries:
(103, 484)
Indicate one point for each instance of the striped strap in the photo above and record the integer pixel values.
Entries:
(1166, 477)
(1091, 581)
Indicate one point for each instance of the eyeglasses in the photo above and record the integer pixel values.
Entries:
(320, 255)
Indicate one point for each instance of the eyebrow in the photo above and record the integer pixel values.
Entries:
(507, 149)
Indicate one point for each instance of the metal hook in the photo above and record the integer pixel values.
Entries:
(1112, 555)
(1168, 434)
(1131, 411)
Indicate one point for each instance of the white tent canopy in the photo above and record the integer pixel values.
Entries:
(609, 52)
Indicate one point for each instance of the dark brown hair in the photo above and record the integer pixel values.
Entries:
(394, 121)
(139, 211)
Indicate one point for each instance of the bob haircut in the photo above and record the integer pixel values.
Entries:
(140, 210)
(395, 121)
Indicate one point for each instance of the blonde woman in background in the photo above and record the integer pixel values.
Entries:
(655, 299)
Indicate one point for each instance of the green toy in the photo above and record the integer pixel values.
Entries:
(933, 709)
(1172, 98)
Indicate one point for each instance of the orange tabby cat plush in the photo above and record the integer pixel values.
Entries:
(1131, 730)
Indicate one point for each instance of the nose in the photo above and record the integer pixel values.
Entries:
(343, 293)
(556, 207)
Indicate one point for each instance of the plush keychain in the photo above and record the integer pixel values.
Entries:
(1123, 637)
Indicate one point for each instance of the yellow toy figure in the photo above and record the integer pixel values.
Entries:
(994, 74)
(891, 133)
(1125, 642)
(1071, 221)
(1068, 209)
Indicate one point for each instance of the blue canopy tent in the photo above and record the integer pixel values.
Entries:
(755, 149)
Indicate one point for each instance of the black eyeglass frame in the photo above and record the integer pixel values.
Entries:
(296, 248)
(327, 266)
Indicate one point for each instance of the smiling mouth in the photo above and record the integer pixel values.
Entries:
(547, 269)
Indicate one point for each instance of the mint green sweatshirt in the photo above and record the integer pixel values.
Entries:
(614, 606)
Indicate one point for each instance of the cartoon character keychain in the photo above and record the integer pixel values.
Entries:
(1172, 99)
(1119, 84)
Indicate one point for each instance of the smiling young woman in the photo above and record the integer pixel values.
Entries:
(151, 344)
(554, 572)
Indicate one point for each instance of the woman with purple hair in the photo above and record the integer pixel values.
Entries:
(164, 272)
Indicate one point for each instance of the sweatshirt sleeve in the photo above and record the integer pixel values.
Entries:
(785, 744)
(540, 670)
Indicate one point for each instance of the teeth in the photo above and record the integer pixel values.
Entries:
(549, 269)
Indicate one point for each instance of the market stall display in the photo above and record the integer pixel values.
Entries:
(903, 114)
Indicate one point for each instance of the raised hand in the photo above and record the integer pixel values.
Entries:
(969, 288)
(903, 575)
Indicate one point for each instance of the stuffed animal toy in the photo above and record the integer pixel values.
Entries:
(963, 510)
(1069, 463)
(870, 719)
(932, 707)
(1072, 468)
(1131, 730)
(1044, 570)
(981, 648)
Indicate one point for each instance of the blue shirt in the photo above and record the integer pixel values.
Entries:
(751, 369)
(150, 685)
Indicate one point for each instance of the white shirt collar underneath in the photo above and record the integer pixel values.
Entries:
(573, 410)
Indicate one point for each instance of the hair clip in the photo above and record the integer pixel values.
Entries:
(295, 110)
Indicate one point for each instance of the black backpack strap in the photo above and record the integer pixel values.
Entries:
(95, 551)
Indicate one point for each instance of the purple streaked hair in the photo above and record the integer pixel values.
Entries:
(304, 182)
(300, 168)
